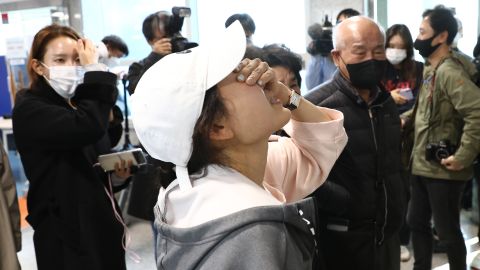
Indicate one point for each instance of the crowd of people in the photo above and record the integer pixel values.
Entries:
(243, 172)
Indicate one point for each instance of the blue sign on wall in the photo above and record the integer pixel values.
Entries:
(5, 102)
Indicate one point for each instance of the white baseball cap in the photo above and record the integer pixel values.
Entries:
(169, 97)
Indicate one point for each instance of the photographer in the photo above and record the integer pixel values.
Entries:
(162, 32)
(446, 122)
(157, 39)
(321, 66)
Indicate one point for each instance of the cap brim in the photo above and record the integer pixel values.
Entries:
(226, 54)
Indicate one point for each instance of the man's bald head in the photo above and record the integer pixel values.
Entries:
(357, 28)
(359, 52)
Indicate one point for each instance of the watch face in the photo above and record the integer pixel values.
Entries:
(294, 101)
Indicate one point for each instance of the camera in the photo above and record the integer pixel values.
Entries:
(438, 151)
(173, 27)
(321, 41)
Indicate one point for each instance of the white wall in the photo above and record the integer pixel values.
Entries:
(320, 8)
(277, 21)
(123, 18)
(409, 12)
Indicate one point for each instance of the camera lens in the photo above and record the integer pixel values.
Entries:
(442, 153)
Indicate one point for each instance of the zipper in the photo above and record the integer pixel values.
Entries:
(384, 189)
(373, 128)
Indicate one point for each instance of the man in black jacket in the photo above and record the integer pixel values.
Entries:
(365, 234)
(158, 40)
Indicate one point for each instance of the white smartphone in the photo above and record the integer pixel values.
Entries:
(406, 93)
(135, 155)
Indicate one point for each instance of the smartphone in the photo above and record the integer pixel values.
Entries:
(107, 162)
(406, 93)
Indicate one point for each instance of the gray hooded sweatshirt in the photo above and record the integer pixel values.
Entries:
(263, 238)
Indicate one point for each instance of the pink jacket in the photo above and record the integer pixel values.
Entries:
(296, 166)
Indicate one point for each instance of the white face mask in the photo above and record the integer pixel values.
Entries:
(102, 50)
(110, 62)
(395, 56)
(65, 79)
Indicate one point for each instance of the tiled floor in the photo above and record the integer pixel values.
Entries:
(440, 261)
(142, 245)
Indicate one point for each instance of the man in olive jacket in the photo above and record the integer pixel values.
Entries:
(446, 142)
(362, 231)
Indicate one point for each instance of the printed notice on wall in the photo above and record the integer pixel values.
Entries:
(16, 48)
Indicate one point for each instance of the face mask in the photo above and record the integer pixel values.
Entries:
(110, 62)
(367, 74)
(424, 46)
(65, 79)
(102, 50)
(395, 56)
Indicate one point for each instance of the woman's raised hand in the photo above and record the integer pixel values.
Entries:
(87, 52)
(258, 72)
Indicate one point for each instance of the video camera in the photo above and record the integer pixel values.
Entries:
(321, 39)
(174, 26)
(322, 45)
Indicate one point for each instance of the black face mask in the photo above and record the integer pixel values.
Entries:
(424, 46)
(367, 74)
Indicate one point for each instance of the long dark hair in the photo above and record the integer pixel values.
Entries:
(408, 68)
(204, 151)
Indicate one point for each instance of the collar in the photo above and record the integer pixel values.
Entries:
(346, 87)
(445, 57)
(43, 89)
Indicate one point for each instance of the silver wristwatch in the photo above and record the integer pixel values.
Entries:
(294, 101)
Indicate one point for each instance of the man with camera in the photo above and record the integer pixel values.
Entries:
(321, 67)
(446, 120)
(162, 32)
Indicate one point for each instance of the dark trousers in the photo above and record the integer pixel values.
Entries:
(388, 255)
(56, 252)
(405, 230)
(441, 199)
(357, 250)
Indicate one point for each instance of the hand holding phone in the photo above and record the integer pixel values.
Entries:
(135, 156)
(123, 169)
(406, 93)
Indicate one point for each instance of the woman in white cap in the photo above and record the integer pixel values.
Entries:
(236, 202)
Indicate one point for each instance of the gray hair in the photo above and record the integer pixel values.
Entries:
(339, 42)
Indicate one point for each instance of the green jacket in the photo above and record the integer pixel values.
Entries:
(448, 108)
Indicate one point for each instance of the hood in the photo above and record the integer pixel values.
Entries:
(224, 243)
